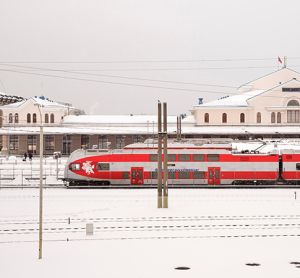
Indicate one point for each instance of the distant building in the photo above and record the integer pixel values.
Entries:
(272, 101)
(267, 107)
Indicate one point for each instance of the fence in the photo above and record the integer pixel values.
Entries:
(16, 172)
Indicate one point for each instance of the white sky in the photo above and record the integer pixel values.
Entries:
(155, 32)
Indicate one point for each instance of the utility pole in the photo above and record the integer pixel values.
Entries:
(165, 134)
(41, 192)
(159, 158)
(41, 183)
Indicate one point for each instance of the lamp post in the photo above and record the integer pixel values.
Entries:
(41, 184)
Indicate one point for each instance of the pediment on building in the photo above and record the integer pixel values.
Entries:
(271, 80)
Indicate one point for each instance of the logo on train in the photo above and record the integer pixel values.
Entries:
(88, 167)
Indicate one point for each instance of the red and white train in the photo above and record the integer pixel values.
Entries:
(188, 165)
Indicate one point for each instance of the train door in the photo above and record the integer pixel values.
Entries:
(137, 175)
(214, 176)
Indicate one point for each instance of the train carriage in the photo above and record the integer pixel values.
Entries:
(290, 164)
(187, 166)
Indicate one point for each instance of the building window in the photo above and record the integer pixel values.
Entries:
(66, 144)
(34, 118)
(103, 142)
(293, 116)
(206, 118)
(120, 142)
(13, 142)
(273, 118)
(49, 143)
(137, 139)
(16, 118)
(278, 117)
(52, 118)
(224, 118)
(293, 102)
(32, 144)
(242, 118)
(46, 118)
(28, 118)
(10, 118)
(85, 141)
(258, 118)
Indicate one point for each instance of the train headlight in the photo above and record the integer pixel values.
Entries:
(74, 166)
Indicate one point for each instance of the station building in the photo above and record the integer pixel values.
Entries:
(268, 107)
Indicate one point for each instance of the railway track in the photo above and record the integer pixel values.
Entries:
(114, 228)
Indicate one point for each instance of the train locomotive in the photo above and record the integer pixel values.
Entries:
(189, 165)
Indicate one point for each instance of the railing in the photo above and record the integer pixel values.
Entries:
(16, 172)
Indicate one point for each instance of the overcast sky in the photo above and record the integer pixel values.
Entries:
(104, 56)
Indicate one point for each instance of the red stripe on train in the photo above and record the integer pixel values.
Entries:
(146, 158)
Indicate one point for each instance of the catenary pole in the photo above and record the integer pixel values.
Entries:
(159, 159)
(165, 188)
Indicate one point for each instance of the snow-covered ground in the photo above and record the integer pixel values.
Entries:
(213, 232)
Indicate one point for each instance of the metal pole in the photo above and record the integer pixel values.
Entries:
(180, 127)
(41, 187)
(177, 137)
(41, 194)
(159, 159)
(165, 188)
(57, 168)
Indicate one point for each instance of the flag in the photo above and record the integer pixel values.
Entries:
(279, 60)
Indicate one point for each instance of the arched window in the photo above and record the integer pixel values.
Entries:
(242, 118)
(293, 116)
(206, 118)
(46, 118)
(16, 118)
(293, 102)
(278, 117)
(273, 117)
(224, 118)
(52, 118)
(34, 118)
(258, 117)
(28, 118)
(10, 118)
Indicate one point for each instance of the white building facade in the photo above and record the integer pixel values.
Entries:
(272, 100)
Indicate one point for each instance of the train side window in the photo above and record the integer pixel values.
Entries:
(102, 166)
(184, 175)
(171, 175)
(154, 175)
(198, 157)
(213, 157)
(74, 167)
(297, 166)
(184, 157)
(199, 175)
(125, 175)
(153, 157)
(171, 157)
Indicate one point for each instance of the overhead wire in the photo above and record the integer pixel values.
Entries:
(118, 76)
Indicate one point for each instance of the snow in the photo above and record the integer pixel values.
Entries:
(149, 129)
(121, 119)
(234, 100)
(214, 232)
